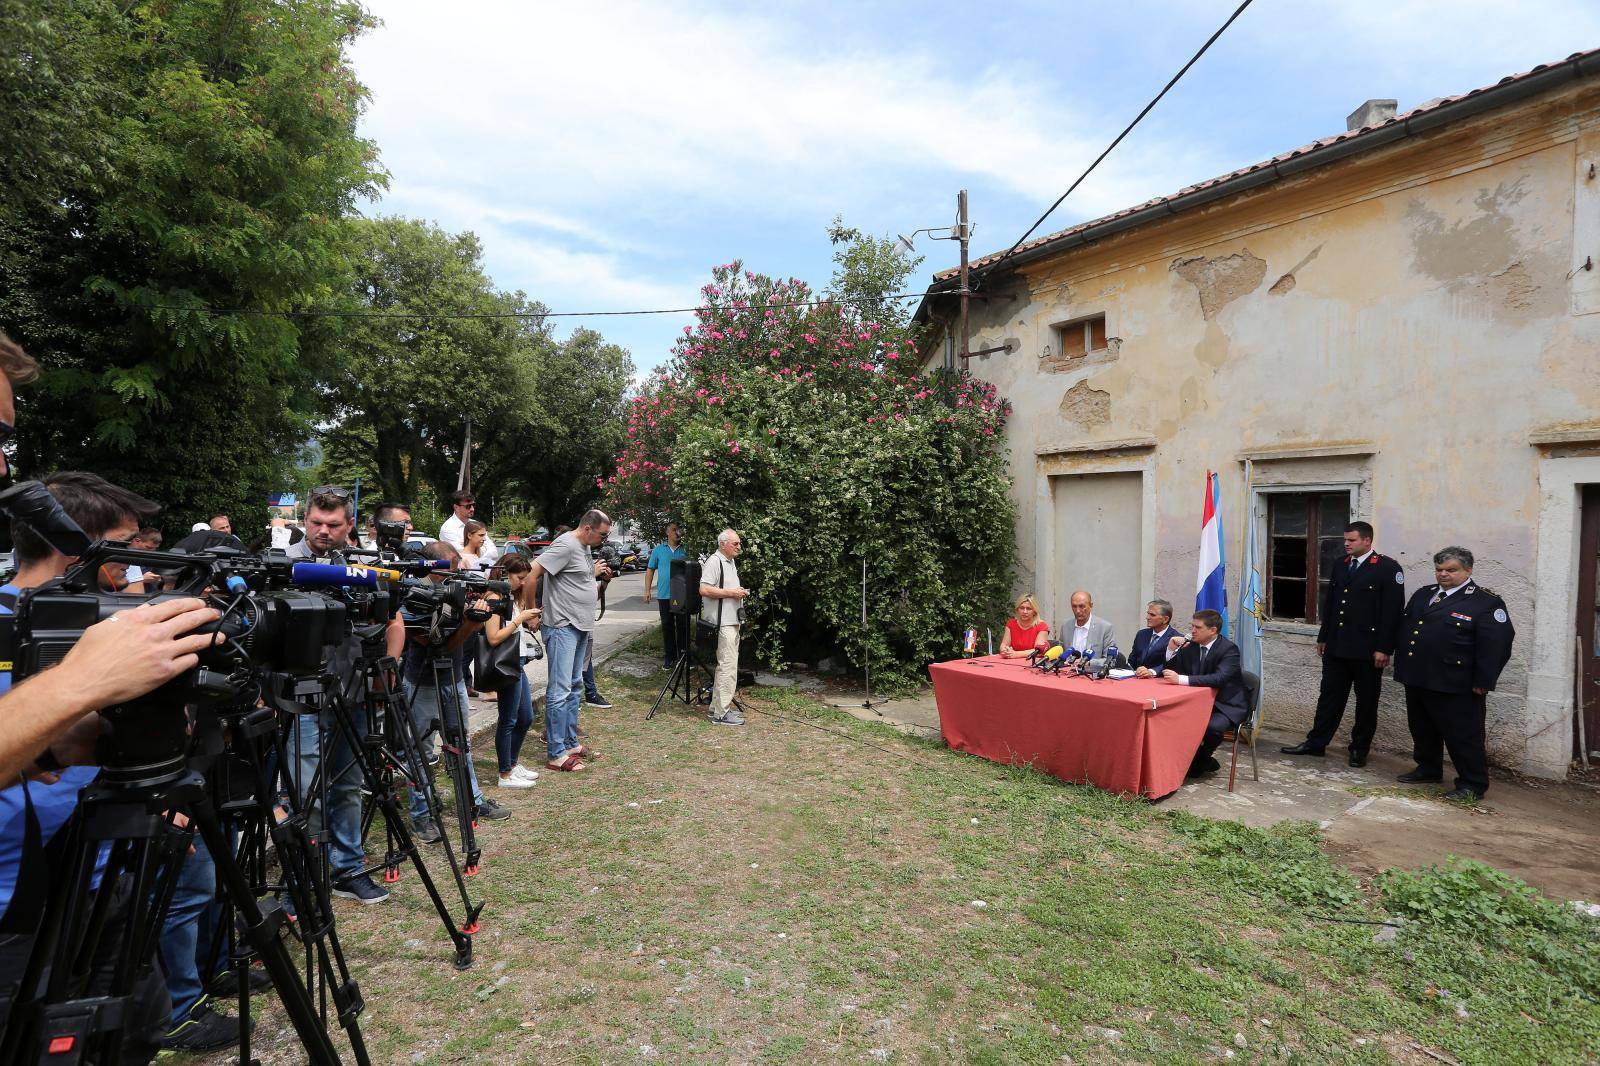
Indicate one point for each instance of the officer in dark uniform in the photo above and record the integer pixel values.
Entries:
(1360, 624)
(1455, 639)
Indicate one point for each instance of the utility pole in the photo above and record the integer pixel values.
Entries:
(963, 234)
(464, 474)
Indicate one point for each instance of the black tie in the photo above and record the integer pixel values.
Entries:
(1437, 596)
(1352, 564)
(1200, 667)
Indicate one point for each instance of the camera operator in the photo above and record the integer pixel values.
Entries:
(422, 692)
(569, 598)
(329, 520)
(125, 656)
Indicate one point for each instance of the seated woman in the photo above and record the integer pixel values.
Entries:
(1026, 631)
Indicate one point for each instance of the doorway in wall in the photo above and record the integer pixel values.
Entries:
(1588, 621)
(1097, 535)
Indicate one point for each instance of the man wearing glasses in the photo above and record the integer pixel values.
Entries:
(454, 530)
(329, 520)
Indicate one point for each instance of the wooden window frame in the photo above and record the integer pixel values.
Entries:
(1084, 330)
(1313, 497)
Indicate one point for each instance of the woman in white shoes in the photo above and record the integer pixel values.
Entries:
(516, 702)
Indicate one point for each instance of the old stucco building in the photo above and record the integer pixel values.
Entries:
(1400, 323)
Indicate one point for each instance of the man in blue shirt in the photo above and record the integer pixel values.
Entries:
(658, 580)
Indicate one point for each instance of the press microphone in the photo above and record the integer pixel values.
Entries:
(1051, 659)
(1108, 659)
(1071, 661)
(325, 574)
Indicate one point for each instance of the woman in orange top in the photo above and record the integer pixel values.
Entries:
(1026, 631)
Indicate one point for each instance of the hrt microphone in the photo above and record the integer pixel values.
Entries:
(1068, 661)
(314, 575)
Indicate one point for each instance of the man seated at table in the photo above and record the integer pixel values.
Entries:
(1150, 643)
(1207, 659)
(1025, 633)
(1087, 633)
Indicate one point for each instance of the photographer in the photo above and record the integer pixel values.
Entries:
(126, 656)
(723, 612)
(422, 692)
(329, 520)
(569, 597)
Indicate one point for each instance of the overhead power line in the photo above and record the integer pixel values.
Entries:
(989, 268)
(325, 313)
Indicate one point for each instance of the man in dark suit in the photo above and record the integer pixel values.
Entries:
(1455, 639)
(1208, 660)
(1150, 643)
(1360, 624)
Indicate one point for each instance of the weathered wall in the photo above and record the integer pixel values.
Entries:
(1402, 323)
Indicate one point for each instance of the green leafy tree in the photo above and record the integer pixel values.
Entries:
(200, 156)
(432, 345)
(807, 429)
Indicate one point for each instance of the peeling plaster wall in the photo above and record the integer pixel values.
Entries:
(1408, 312)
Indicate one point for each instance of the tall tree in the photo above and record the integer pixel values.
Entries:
(201, 158)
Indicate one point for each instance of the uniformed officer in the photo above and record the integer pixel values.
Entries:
(1455, 639)
(1360, 624)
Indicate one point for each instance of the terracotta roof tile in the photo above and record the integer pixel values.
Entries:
(1421, 109)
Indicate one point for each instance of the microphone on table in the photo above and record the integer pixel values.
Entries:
(1071, 661)
(1050, 658)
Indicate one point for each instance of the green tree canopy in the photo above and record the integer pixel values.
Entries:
(169, 158)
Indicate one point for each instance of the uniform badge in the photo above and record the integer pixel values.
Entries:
(1400, 577)
(1469, 590)
(1500, 614)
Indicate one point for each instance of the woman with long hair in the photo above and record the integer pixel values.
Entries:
(516, 700)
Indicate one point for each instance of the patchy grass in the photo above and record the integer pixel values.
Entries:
(804, 889)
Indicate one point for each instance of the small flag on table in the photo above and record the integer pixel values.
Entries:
(969, 642)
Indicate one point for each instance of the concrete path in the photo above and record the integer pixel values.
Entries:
(1545, 832)
(627, 615)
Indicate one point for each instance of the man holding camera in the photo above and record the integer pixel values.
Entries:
(568, 577)
(329, 519)
(722, 610)
(422, 692)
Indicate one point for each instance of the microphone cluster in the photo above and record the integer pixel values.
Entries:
(1058, 659)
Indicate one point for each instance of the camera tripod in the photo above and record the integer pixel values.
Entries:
(451, 725)
(74, 1003)
(680, 683)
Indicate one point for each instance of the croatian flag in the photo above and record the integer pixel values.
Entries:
(1211, 590)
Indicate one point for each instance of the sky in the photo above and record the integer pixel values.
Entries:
(608, 156)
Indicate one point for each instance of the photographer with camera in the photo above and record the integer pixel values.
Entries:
(422, 691)
(329, 520)
(570, 595)
(126, 656)
(723, 612)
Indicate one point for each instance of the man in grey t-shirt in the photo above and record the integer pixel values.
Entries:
(568, 575)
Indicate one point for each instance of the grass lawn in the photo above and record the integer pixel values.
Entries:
(782, 893)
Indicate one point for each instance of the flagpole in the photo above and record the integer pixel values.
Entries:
(1247, 560)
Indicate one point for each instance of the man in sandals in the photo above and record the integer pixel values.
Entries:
(570, 596)
(722, 609)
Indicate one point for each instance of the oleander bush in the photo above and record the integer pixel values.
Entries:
(805, 424)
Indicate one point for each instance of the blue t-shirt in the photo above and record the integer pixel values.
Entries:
(53, 804)
(661, 558)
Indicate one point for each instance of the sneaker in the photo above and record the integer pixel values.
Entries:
(226, 984)
(427, 831)
(491, 810)
(204, 1030)
(597, 700)
(511, 780)
(360, 888)
(523, 772)
(732, 718)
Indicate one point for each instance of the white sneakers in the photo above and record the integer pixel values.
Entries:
(519, 777)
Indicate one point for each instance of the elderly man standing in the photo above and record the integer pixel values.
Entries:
(570, 597)
(722, 610)
(1087, 633)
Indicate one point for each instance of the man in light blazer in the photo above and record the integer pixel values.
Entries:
(1087, 633)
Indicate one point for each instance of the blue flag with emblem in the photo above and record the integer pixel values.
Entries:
(1251, 605)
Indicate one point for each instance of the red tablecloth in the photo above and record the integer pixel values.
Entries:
(1134, 736)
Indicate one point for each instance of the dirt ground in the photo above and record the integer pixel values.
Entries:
(1545, 832)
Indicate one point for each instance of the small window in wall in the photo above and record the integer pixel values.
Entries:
(1306, 533)
(1082, 337)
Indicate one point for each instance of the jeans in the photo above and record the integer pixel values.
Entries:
(591, 691)
(424, 700)
(342, 778)
(516, 716)
(566, 651)
(674, 633)
(185, 936)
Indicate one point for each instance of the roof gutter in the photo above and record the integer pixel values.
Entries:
(1476, 103)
